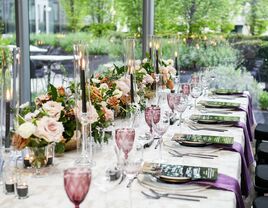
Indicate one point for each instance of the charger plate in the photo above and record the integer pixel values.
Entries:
(149, 181)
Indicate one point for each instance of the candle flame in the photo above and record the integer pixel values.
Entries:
(83, 64)
(150, 44)
(176, 54)
(157, 46)
(8, 95)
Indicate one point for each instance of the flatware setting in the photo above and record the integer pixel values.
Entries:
(155, 195)
(175, 153)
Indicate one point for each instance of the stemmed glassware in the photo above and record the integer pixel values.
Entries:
(196, 91)
(173, 99)
(149, 115)
(160, 127)
(124, 139)
(181, 106)
(77, 181)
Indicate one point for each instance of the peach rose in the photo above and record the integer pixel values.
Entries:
(108, 114)
(92, 115)
(53, 109)
(49, 129)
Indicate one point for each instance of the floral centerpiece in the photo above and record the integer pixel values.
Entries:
(50, 120)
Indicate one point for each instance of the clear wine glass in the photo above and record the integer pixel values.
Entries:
(195, 79)
(161, 127)
(148, 116)
(132, 167)
(181, 106)
(196, 91)
(77, 181)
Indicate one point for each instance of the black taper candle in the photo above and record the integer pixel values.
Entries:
(150, 51)
(132, 88)
(156, 62)
(176, 64)
(83, 89)
(7, 132)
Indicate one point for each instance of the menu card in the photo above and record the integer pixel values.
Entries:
(204, 138)
(179, 171)
(222, 91)
(219, 104)
(216, 118)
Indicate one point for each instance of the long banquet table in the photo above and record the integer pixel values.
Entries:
(48, 191)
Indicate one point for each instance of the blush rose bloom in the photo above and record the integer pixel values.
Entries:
(49, 129)
(53, 109)
(108, 114)
(26, 130)
(123, 85)
(147, 79)
(92, 115)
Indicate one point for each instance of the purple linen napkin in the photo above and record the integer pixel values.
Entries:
(245, 175)
(249, 122)
(248, 151)
(228, 183)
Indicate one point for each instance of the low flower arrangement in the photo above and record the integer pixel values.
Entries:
(50, 120)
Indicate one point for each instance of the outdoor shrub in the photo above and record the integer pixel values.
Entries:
(263, 100)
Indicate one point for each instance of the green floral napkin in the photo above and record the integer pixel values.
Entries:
(219, 104)
(203, 138)
(179, 171)
(224, 119)
(222, 91)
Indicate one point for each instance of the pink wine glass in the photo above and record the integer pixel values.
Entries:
(76, 183)
(149, 116)
(124, 138)
(173, 99)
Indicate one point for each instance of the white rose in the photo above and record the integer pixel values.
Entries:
(145, 60)
(143, 70)
(49, 129)
(169, 62)
(118, 93)
(104, 86)
(94, 80)
(103, 104)
(53, 109)
(26, 129)
(24, 105)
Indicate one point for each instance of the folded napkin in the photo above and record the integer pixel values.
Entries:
(245, 174)
(248, 151)
(228, 183)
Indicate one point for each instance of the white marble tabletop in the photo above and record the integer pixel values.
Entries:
(48, 191)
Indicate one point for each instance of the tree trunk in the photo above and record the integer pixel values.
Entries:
(253, 16)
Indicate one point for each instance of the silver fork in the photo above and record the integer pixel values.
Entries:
(195, 128)
(177, 194)
(170, 197)
(188, 155)
(193, 153)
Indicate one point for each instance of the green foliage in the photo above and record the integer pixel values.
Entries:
(75, 11)
(100, 29)
(130, 13)
(263, 100)
(230, 78)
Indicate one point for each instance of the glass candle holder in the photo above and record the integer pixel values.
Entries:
(9, 186)
(22, 188)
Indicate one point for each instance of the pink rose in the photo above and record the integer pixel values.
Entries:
(53, 109)
(123, 84)
(108, 114)
(49, 129)
(147, 79)
(92, 115)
